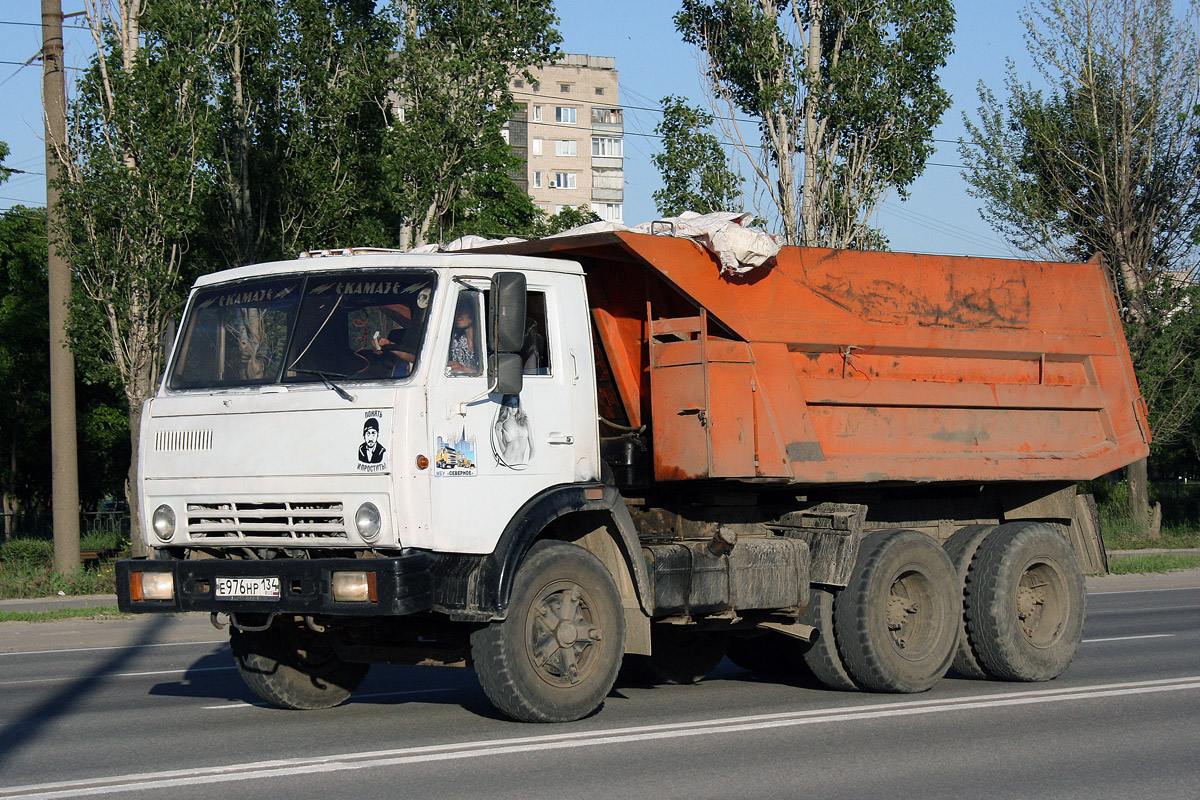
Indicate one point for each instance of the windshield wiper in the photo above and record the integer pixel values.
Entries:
(329, 384)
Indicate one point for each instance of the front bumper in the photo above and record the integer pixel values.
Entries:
(403, 585)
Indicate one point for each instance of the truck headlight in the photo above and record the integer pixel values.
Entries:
(163, 522)
(355, 587)
(368, 521)
(151, 586)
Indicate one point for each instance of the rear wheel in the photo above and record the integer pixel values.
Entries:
(555, 657)
(821, 655)
(290, 666)
(678, 655)
(1025, 603)
(961, 548)
(896, 620)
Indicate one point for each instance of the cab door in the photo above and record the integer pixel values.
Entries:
(491, 453)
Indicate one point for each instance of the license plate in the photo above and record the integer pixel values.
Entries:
(264, 588)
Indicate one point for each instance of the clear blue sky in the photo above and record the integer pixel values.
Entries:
(940, 217)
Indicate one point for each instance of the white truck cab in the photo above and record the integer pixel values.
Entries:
(342, 402)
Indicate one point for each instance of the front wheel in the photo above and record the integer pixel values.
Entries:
(556, 655)
(290, 666)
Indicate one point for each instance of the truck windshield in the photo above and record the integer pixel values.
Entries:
(300, 329)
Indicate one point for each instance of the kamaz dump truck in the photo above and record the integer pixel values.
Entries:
(857, 464)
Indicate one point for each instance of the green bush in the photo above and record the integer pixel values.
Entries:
(29, 551)
(111, 539)
(24, 579)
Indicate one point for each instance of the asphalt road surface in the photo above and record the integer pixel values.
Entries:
(152, 707)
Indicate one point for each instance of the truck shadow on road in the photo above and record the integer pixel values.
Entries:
(214, 677)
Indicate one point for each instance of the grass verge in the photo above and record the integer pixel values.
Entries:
(1158, 562)
(101, 612)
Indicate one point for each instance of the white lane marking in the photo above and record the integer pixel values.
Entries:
(1101, 612)
(67, 678)
(282, 768)
(1127, 638)
(1144, 591)
(112, 647)
(354, 697)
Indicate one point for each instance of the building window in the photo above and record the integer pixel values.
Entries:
(566, 147)
(599, 90)
(559, 209)
(609, 212)
(518, 84)
(535, 147)
(537, 113)
(564, 114)
(607, 116)
(565, 88)
(607, 146)
(535, 86)
(537, 179)
(564, 180)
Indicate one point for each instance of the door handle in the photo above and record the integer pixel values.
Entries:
(560, 438)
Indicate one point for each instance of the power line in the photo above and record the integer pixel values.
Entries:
(38, 24)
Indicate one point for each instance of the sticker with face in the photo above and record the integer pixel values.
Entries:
(371, 453)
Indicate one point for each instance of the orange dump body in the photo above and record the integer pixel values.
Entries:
(859, 367)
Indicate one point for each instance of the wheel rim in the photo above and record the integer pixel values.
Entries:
(911, 615)
(562, 634)
(1041, 604)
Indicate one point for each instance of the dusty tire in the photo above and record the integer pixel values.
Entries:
(290, 666)
(1025, 603)
(555, 657)
(896, 620)
(821, 655)
(678, 656)
(961, 548)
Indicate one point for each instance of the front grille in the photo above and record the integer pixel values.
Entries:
(307, 520)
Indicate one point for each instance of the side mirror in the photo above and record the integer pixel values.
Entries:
(506, 326)
(505, 373)
(506, 317)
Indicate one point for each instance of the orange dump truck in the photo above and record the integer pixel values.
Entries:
(558, 459)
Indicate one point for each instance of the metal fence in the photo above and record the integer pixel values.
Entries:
(39, 523)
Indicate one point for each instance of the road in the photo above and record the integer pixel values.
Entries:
(151, 707)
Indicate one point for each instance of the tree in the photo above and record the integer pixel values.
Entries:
(455, 62)
(208, 134)
(1107, 160)
(299, 90)
(131, 196)
(695, 173)
(25, 478)
(24, 355)
(848, 86)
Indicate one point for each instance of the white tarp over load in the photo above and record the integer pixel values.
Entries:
(723, 233)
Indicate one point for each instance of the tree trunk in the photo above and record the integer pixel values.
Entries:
(808, 205)
(132, 494)
(1139, 498)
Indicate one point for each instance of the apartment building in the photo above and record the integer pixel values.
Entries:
(569, 128)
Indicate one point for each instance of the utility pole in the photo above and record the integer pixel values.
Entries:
(63, 448)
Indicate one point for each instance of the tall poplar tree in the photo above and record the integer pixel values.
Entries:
(845, 94)
(1106, 160)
